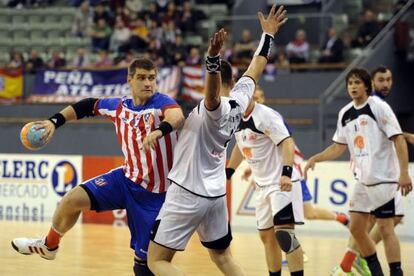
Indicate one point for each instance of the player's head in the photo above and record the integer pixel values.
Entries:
(226, 72)
(142, 75)
(258, 95)
(382, 80)
(358, 84)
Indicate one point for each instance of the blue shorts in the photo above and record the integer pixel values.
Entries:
(306, 195)
(113, 191)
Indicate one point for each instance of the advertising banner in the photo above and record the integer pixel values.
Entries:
(66, 86)
(331, 185)
(31, 186)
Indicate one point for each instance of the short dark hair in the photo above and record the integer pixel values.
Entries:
(363, 75)
(379, 69)
(141, 63)
(226, 73)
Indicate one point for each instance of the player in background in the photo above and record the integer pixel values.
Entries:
(370, 130)
(311, 212)
(197, 199)
(145, 125)
(265, 141)
(382, 83)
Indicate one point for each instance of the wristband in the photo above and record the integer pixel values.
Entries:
(287, 171)
(165, 128)
(57, 120)
(213, 64)
(229, 173)
(265, 46)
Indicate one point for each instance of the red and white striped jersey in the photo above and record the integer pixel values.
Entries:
(133, 123)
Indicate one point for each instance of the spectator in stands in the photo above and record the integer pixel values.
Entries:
(155, 31)
(332, 49)
(100, 12)
(16, 61)
(161, 5)
(190, 18)
(134, 6)
(282, 63)
(368, 30)
(103, 59)
(245, 48)
(56, 61)
(34, 63)
(194, 58)
(81, 59)
(151, 13)
(177, 51)
(139, 35)
(172, 14)
(123, 13)
(101, 35)
(298, 49)
(120, 36)
(83, 20)
(126, 59)
(170, 32)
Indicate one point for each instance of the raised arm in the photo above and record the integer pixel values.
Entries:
(402, 153)
(332, 152)
(213, 78)
(270, 26)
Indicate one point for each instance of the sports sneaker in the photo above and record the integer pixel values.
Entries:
(361, 265)
(29, 246)
(337, 271)
(342, 218)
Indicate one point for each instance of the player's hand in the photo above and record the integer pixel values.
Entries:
(49, 128)
(216, 42)
(274, 20)
(309, 165)
(285, 184)
(405, 184)
(247, 173)
(151, 140)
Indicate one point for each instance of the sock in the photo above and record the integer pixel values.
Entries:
(53, 238)
(278, 273)
(347, 260)
(297, 273)
(374, 265)
(342, 218)
(395, 269)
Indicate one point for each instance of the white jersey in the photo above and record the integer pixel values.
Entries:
(200, 154)
(367, 130)
(258, 137)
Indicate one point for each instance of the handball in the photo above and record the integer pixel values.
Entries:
(31, 137)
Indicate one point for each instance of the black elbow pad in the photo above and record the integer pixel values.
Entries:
(84, 108)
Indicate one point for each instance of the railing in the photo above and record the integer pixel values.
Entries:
(337, 85)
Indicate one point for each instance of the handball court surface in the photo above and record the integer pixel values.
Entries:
(94, 249)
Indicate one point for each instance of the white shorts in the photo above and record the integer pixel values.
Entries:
(382, 201)
(183, 213)
(274, 207)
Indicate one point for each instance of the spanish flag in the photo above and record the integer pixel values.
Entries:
(11, 85)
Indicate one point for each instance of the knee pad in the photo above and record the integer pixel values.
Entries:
(141, 268)
(287, 240)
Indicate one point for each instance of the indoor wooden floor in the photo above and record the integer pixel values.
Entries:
(104, 250)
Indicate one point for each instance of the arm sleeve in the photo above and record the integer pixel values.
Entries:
(387, 121)
(274, 127)
(243, 91)
(339, 136)
(107, 107)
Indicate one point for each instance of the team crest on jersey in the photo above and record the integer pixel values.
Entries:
(363, 122)
(148, 118)
(100, 181)
(252, 137)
